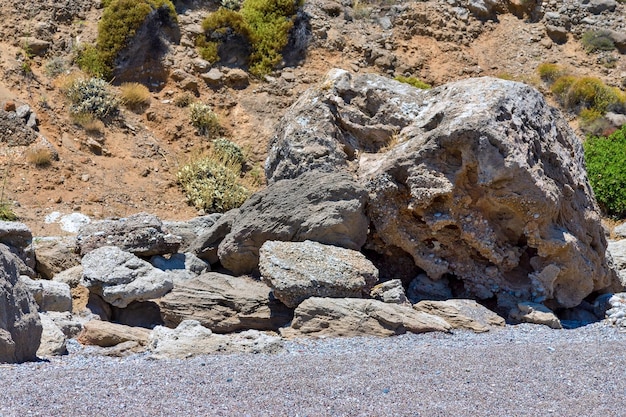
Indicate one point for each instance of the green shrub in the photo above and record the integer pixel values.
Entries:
(228, 152)
(604, 157)
(550, 72)
(91, 62)
(203, 119)
(417, 83)
(91, 96)
(120, 21)
(212, 185)
(597, 40)
(264, 24)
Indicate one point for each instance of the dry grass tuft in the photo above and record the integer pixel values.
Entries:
(135, 96)
(40, 157)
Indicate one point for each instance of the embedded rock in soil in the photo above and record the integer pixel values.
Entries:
(299, 270)
(481, 182)
(326, 208)
(20, 326)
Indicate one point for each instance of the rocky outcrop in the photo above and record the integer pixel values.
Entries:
(298, 270)
(224, 304)
(320, 207)
(482, 181)
(20, 326)
(462, 314)
(141, 234)
(190, 339)
(120, 277)
(322, 317)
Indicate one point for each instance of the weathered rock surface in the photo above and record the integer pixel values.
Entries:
(121, 277)
(105, 334)
(484, 181)
(18, 238)
(617, 249)
(323, 317)
(320, 207)
(20, 326)
(54, 256)
(141, 234)
(181, 265)
(298, 270)
(207, 242)
(224, 304)
(390, 291)
(53, 341)
(189, 230)
(529, 312)
(14, 132)
(190, 338)
(49, 295)
(462, 314)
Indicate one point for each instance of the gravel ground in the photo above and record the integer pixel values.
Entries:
(523, 370)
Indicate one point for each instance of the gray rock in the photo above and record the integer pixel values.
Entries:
(14, 132)
(224, 304)
(483, 8)
(181, 265)
(348, 317)
(23, 112)
(390, 291)
(214, 77)
(617, 249)
(600, 6)
(34, 46)
(324, 208)
(190, 339)
(18, 237)
(141, 234)
(49, 295)
(237, 78)
(207, 242)
(557, 33)
(616, 119)
(298, 270)
(20, 326)
(121, 277)
(462, 314)
(189, 230)
(69, 324)
(53, 341)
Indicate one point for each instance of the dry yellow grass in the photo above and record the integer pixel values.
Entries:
(40, 157)
(135, 96)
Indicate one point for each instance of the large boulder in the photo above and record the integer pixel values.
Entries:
(120, 277)
(323, 317)
(462, 314)
(53, 340)
(141, 234)
(18, 238)
(298, 270)
(49, 295)
(224, 304)
(54, 256)
(20, 326)
(326, 208)
(482, 182)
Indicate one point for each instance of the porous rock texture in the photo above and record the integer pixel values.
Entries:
(141, 234)
(120, 277)
(345, 317)
(480, 181)
(224, 304)
(20, 326)
(298, 270)
(326, 208)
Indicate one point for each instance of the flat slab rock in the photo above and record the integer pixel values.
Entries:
(298, 270)
(347, 317)
(462, 314)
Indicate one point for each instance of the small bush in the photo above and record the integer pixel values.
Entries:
(6, 212)
(120, 21)
(203, 119)
(597, 40)
(91, 62)
(265, 24)
(91, 96)
(135, 96)
(40, 157)
(579, 93)
(228, 152)
(604, 157)
(55, 67)
(183, 100)
(212, 185)
(415, 82)
(550, 72)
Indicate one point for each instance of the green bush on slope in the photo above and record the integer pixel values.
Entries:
(605, 158)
